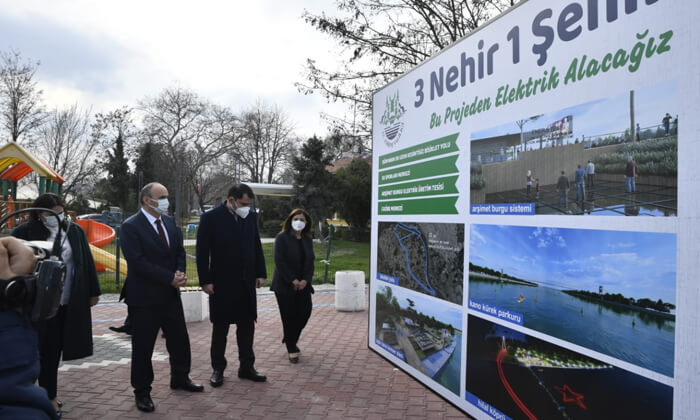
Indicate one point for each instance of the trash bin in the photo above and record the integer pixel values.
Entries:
(350, 290)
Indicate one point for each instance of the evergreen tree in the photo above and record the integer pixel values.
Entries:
(119, 178)
(145, 164)
(314, 186)
(355, 193)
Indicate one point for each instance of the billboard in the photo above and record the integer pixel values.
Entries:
(523, 266)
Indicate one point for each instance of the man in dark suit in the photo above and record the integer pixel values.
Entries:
(153, 248)
(231, 266)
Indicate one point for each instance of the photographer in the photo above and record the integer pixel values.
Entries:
(68, 335)
(19, 364)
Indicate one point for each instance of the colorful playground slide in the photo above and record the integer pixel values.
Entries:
(100, 235)
(107, 260)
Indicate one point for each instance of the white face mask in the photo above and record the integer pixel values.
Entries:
(242, 212)
(162, 207)
(298, 225)
(51, 222)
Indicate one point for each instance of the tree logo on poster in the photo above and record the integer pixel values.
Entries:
(391, 120)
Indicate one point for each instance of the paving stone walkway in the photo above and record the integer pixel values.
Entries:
(337, 377)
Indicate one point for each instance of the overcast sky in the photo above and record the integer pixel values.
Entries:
(107, 53)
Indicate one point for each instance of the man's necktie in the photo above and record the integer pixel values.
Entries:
(161, 232)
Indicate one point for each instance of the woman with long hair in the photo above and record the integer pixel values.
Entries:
(69, 333)
(294, 270)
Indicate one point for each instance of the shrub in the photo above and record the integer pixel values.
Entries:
(270, 228)
(653, 157)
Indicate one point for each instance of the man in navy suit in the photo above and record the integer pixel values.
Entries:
(152, 246)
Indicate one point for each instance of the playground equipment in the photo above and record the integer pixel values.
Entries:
(16, 162)
(108, 260)
(100, 235)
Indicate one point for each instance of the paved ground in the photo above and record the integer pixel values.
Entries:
(337, 377)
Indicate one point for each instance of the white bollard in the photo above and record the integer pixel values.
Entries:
(195, 305)
(350, 290)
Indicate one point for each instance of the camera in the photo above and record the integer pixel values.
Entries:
(36, 295)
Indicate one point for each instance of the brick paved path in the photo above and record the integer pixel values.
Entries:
(337, 377)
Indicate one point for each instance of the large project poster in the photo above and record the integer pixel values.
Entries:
(534, 214)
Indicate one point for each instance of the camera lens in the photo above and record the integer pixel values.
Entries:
(15, 290)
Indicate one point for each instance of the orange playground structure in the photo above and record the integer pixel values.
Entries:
(16, 162)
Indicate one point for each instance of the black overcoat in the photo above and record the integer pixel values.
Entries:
(288, 263)
(77, 336)
(230, 256)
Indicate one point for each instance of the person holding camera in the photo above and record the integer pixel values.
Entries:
(68, 335)
(19, 364)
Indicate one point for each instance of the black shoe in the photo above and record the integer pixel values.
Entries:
(294, 358)
(123, 329)
(145, 403)
(217, 378)
(186, 384)
(251, 374)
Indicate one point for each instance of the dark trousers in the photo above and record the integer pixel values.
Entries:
(295, 310)
(50, 349)
(145, 323)
(245, 332)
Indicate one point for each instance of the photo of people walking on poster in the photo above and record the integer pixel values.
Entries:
(612, 156)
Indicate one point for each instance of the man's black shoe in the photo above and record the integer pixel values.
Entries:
(251, 374)
(217, 378)
(123, 329)
(145, 403)
(186, 384)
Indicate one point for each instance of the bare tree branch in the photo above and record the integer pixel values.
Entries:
(382, 39)
(21, 110)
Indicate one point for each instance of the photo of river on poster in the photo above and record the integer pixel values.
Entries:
(449, 374)
(644, 339)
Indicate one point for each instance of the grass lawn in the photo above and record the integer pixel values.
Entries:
(345, 255)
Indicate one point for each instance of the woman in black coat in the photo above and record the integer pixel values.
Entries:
(70, 331)
(294, 270)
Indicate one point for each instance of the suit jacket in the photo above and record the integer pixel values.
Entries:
(288, 262)
(230, 256)
(152, 264)
(77, 339)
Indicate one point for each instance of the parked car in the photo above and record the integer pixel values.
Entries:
(90, 216)
(110, 218)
